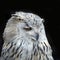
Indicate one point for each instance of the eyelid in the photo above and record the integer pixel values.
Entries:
(27, 28)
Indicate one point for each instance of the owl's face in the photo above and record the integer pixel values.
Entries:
(27, 25)
(28, 29)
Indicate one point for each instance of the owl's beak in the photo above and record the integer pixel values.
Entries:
(36, 36)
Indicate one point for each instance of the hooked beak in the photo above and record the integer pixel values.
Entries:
(36, 36)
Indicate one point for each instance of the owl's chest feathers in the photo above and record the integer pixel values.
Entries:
(19, 49)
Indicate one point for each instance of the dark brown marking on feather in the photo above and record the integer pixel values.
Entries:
(41, 51)
(8, 43)
(37, 47)
(19, 53)
(14, 43)
(31, 56)
(46, 46)
(13, 49)
(16, 51)
(35, 52)
(40, 57)
(21, 50)
(10, 46)
(33, 46)
(47, 57)
(12, 55)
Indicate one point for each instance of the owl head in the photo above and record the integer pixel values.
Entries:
(24, 25)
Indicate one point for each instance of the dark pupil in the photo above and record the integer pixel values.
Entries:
(19, 19)
(28, 29)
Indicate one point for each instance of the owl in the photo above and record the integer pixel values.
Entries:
(25, 38)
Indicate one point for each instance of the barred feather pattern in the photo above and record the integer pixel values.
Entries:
(19, 45)
(39, 51)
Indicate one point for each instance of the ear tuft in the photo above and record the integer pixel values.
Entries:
(43, 20)
(14, 15)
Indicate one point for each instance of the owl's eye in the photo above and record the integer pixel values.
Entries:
(27, 28)
(16, 16)
(19, 19)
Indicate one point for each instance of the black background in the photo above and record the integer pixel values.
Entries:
(48, 10)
